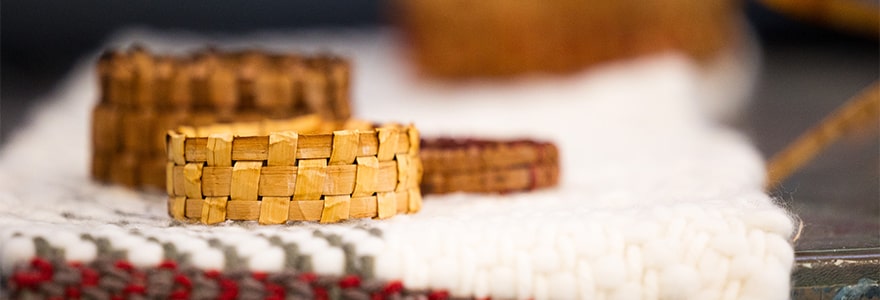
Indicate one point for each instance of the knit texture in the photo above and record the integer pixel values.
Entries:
(655, 199)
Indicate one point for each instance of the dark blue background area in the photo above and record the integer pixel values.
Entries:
(41, 39)
(41, 33)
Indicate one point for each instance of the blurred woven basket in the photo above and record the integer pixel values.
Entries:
(142, 95)
(502, 38)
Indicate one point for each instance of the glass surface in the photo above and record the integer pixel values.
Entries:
(837, 195)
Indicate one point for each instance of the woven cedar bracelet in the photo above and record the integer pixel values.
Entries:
(285, 176)
(143, 95)
(483, 166)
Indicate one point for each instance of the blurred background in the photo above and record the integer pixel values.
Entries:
(41, 40)
(810, 65)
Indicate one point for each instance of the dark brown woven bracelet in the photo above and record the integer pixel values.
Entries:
(486, 166)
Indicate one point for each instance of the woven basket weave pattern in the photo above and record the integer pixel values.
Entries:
(143, 95)
(488, 166)
(284, 176)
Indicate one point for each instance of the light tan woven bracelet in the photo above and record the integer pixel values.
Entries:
(285, 176)
(483, 166)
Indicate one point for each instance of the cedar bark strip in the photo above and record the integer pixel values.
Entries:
(858, 113)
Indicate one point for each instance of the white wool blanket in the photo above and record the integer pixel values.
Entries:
(656, 201)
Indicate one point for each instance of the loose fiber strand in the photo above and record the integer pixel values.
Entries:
(856, 114)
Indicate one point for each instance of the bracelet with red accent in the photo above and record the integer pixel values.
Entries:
(487, 166)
